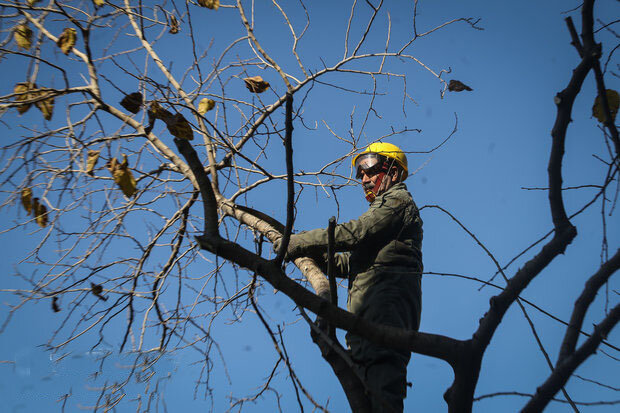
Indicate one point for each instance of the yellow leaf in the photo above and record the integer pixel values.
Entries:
(132, 102)
(23, 36)
(67, 39)
(40, 212)
(99, 3)
(180, 127)
(46, 106)
(91, 162)
(32, 2)
(174, 25)
(612, 99)
(123, 176)
(205, 105)
(27, 200)
(256, 84)
(210, 4)
(22, 92)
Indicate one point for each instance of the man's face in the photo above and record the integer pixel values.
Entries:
(369, 180)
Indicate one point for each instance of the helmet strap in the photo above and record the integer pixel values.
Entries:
(380, 184)
(371, 194)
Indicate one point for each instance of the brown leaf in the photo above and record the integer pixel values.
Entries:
(91, 161)
(205, 105)
(97, 290)
(23, 36)
(256, 84)
(613, 100)
(22, 91)
(66, 40)
(179, 127)
(133, 102)
(40, 212)
(46, 106)
(458, 86)
(123, 176)
(158, 112)
(210, 4)
(55, 306)
(27, 200)
(174, 25)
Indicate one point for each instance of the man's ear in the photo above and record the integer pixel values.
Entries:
(394, 174)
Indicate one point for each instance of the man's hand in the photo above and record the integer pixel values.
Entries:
(293, 250)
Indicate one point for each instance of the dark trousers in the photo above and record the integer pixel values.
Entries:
(394, 299)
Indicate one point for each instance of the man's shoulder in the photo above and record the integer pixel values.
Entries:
(396, 195)
(399, 191)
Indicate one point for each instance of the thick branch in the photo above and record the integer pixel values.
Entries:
(290, 183)
(567, 367)
(583, 303)
(432, 345)
(208, 197)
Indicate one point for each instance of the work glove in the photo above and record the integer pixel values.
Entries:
(294, 247)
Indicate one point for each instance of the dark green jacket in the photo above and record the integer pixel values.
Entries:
(386, 239)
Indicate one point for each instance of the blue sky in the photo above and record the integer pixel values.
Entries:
(516, 65)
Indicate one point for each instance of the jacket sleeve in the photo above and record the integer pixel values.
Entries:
(380, 223)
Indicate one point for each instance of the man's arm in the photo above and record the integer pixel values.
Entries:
(383, 220)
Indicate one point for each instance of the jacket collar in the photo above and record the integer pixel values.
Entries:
(397, 187)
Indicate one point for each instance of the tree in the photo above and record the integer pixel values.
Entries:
(141, 241)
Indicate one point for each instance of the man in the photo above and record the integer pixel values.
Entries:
(382, 258)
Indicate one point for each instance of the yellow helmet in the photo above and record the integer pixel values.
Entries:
(389, 151)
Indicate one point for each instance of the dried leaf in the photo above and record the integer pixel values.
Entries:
(205, 105)
(27, 200)
(458, 86)
(210, 4)
(133, 102)
(22, 91)
(158, 112)
(180, 127)
(91, 161)
(23, 36)
(55, 306)
(40, 212)
(97, 289)
(46, 106)
(174, 25)
(256, 84)
(67, 39)
(612, 99)
(123, 176)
